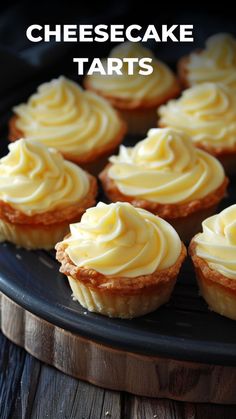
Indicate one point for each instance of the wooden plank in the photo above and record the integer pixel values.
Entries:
(55, 394)
(27, 388)
(112, 405)
(88, 402)
(208, 411)
(11, 365)
(146, 408)
(60, 396)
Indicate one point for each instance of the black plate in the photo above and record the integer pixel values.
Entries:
(182, 329)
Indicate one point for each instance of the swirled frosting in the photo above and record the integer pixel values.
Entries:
(34, 179)
(216, 63)
(206, 112)
(217, 243)
(121, 240)
(166, 168)
(62, 115)
(135, 86)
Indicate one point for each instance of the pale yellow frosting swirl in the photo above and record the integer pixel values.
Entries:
(64, 116)
(135, 86)
(206, 112)
(121, 240)
(166, 168)
(216, 63)
(34, 179)
(217, 243)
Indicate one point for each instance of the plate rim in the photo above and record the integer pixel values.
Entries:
(173, 347)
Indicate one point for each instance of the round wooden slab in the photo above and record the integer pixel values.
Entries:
(116, 369)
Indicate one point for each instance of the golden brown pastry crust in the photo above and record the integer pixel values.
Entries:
(130, 104)
(121, 285)
(168, 211)
(208, 275)
(91, 156)
(57, 216)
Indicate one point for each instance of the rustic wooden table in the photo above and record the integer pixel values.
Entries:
(31, 389)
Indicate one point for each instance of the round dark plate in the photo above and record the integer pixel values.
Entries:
(183, 329)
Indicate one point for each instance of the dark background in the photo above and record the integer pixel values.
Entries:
(23, 64)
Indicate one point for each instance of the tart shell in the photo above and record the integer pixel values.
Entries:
(218, 291)
(119, 296)
(44, 230)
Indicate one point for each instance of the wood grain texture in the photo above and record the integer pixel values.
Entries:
(27, 388)
(114, 369)
(142, 407)
(11, 364)
(44, 392)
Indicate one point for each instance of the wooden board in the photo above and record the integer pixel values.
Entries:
(32, 389)
(116, 369)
